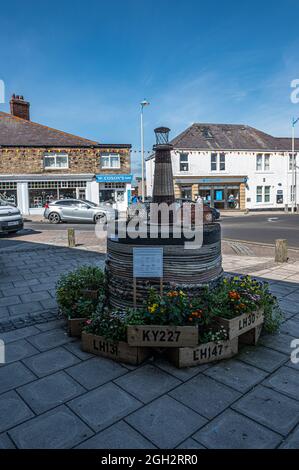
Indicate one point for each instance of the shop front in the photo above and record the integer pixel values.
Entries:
(222, 193)
(115, 189)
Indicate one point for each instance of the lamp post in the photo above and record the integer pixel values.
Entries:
(143, 103)
(293, 189)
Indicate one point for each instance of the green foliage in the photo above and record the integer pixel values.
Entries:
(112, 325)
(72, 301)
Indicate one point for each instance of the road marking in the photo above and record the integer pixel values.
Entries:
(271, 219)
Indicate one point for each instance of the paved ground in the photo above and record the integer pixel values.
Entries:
(52, 395)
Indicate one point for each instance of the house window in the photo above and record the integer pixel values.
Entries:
(55, 161)
(109, 161)
(222, 161)
(217, 161)
(267, 194)
(291, 158)
(266, 162)
(259, 162)
(259, 194)
(213, 161)
(184, 162)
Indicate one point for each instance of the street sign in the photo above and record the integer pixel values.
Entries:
(148, 262)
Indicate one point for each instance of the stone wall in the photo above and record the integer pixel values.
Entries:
(21, 160)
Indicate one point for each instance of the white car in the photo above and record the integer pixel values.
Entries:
(11, 219)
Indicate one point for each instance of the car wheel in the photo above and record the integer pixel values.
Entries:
(54, 218)
(100, 218)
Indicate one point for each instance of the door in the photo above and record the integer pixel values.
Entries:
(82, 212)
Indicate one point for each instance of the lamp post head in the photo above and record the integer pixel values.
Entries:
(144, 103)
(294, 121)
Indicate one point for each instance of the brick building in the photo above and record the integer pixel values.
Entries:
(39, 164)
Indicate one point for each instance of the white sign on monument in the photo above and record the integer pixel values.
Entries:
(148, 262)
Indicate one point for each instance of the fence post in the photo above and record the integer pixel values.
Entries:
(71, 237)
(281, 251)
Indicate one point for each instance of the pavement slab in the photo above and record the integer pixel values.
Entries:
(95, 372)
(14, 375)
(13, 411)
(285, 380)
(51, 361)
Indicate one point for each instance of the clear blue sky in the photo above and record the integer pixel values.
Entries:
(85, 65)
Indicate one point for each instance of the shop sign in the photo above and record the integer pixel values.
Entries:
(126, 178)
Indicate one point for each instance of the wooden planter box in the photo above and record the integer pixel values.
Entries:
(252, 336)
(118, 351)
(75, 326)
(91, 294)
(241, 324)
(162, 336)
(204, 353)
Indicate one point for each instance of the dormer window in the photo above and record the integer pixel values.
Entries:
(206, 132)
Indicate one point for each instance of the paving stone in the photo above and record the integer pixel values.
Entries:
(270, 408)
(236, 374)
(42, 287)
(291, 327)
(96, 371)
(166, 422)
(18, 350)
(147, 382)
(230, 430)
(190, 444)
(49, 392)
(285, 380)
(104, 406)
(113, 438)
(56, 429)
(289, 306)
(183, 374)
(11, 336)
(292, 442)
(264, 358)
(51, 361)
(75, 348)
(6, 442)
(14, 291)
(49, 303)
(35, 296)
(14, 375)
(13, 411)
(50, 339)
(205, 395)
(7, 301)
(280, 342)
(28, 282)
(29, 307)
(4, 312)
(51, 325)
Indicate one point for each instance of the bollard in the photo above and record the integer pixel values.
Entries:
(281, 251)
(71, 237)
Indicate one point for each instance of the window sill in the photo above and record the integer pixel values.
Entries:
(57, 168)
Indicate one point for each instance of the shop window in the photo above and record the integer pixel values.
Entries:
(8, 192)
(39, 197)
(109, 161)
(55, 161)
(267, 193)
(184, 162)
(259, 162)
(259, 194)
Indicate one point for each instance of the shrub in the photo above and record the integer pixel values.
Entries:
(69, 288)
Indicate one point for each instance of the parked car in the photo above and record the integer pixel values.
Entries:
(208, 213)
(77, 210)
(216, 212)
(11, 219)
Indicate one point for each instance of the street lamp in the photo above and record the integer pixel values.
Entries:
(293, 189)
(142, 104)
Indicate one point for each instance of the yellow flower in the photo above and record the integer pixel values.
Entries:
(182, 293)
(152, 308)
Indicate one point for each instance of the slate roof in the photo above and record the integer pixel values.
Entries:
(19, 132)
(229, 137)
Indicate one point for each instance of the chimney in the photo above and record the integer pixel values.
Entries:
(19, 107)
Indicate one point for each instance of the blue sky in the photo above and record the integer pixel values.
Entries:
(85, 66)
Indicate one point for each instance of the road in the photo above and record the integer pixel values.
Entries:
(260, 228)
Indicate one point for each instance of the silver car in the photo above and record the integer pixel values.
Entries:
(11, 219)
(77, 210)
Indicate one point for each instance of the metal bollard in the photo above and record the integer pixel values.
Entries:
(281, 251)
(71, 237)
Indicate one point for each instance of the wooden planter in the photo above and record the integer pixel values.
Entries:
(202, 354)
(118, 351)
(90, 294)
(75, 326)
(252, 336)
(162, 336)
(241, 324)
